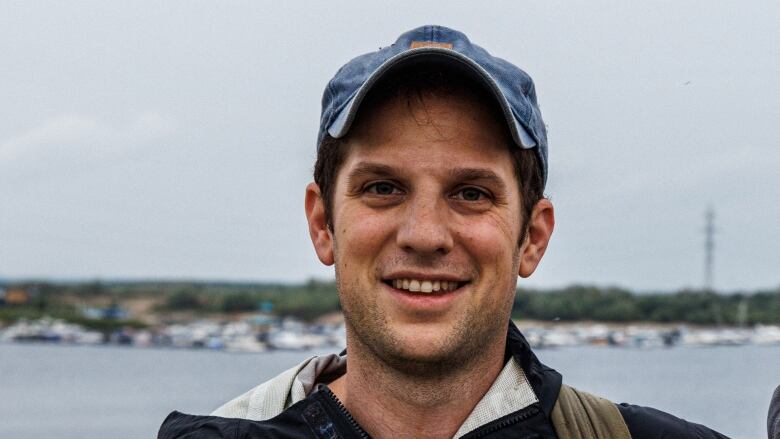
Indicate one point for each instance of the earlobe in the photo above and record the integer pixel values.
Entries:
(540, 228)
(318, 225)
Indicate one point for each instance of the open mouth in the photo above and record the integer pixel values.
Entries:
(424, 286)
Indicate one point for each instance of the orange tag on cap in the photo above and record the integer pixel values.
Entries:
(418, 44)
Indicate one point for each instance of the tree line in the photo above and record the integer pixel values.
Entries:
(313, 299)
(619, 305)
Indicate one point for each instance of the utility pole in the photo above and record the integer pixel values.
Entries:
(709, 248)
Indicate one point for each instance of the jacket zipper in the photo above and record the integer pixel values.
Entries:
(521, 415)
(343, 410)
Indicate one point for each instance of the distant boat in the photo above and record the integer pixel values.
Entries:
(295, 340)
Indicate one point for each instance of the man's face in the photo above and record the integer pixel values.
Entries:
(426, 221)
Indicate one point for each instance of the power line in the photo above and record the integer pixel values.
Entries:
(709, 248)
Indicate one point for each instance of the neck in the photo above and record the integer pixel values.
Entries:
(387, 402)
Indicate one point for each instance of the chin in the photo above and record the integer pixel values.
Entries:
(428, 338)
(428, 362)
(423, 350)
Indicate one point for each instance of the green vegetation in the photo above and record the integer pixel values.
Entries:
(313, 299)
(307, 301)
(619, 305)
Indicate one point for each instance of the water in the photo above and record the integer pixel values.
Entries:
(100, 392)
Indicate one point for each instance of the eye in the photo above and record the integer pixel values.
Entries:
(381, 188)
(471, 194)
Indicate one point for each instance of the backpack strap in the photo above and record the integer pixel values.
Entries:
(580, 415)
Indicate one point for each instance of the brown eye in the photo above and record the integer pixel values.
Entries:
(472, 194)
(381, 188)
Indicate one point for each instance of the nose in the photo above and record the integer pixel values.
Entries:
(424, 227)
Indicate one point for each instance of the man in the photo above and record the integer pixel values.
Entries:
(428, 200)
(773, 416)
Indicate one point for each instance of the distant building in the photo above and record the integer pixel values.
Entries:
(108, 313)
(15, 296)
(261, 323)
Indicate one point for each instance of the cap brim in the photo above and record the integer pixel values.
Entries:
(341, 124)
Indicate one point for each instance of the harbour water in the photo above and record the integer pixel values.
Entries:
(95, 392)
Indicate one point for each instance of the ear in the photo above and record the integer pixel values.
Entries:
(318, 226)
(540, 228)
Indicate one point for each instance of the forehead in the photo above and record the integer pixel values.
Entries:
(431, 129)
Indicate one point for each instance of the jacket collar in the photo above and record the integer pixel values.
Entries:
(545, 381)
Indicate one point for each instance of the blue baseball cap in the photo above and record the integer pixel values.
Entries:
(513, 88)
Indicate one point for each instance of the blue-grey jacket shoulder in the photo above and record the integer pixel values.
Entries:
(649, 423)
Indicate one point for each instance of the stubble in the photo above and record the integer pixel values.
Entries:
(469, 338)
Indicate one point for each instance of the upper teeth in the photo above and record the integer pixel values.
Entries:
(424, 286)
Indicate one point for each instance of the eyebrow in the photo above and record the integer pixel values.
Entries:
(472, 174)
(370, 169)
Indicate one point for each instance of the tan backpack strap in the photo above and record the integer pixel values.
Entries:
(580, 415)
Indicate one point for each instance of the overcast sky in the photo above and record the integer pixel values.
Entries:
(175, 139)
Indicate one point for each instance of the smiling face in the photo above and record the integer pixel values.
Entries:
(426, 227)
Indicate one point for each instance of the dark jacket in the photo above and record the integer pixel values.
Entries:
(773, 417)
(321, 415)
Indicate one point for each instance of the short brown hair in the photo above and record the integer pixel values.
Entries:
(412, 83)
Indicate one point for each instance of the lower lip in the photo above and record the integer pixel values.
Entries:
(430, 302)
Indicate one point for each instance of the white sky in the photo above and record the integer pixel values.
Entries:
(174, 139)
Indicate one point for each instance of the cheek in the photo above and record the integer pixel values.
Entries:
(360, 233)
(491, 239)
